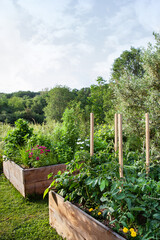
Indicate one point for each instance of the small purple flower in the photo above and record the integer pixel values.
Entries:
(37, 158)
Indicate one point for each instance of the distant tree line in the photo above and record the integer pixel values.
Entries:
(39, 107)
(133, 90)
(22, 104)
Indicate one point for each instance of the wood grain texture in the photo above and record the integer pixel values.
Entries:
(73, 224)
(14, 174)
(120, 145)
(40, 174)
(147, 142)
(91, 134)
(30, 181)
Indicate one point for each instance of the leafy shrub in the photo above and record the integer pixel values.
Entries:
(65, 136)
(17, 138)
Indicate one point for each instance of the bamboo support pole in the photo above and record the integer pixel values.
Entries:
(116, 132)
(91, 134)
(120, 145)
(147, 142)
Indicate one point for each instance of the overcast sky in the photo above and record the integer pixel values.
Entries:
(44, 43)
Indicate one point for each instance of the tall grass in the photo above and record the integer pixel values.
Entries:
(4, 128)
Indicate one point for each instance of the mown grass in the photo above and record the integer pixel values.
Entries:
(23, 218)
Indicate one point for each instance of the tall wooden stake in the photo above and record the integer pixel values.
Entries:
(147, 142)
(116, 132)
(91, 134)
(120, 145)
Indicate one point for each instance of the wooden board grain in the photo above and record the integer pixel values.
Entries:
(39, 174)
(37, 187)
(30, 181)
(73, 224)
(14, 174)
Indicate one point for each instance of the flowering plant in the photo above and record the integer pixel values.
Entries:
(130, 232)
(40, 156)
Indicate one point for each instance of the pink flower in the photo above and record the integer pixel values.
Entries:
(30, 156)
(37, 158)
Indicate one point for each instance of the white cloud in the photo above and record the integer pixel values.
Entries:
(148, 14)
(68, 42)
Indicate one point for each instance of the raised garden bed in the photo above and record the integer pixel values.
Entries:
(32, 180)
(72, 223)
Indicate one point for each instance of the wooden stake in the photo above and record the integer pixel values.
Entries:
(120, 145)
(116, 132)
(91, 134)
(147, 142)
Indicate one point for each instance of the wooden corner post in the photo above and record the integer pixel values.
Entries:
(91, 134)
(120, 145)
(147, 142)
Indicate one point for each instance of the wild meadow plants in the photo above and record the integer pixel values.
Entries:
(60, 142)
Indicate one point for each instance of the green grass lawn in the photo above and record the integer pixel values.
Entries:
(23, 218)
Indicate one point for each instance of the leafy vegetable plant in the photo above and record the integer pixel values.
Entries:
(131, 205)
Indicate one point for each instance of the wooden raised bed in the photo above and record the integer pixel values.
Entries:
(73, 224)
(30, 181)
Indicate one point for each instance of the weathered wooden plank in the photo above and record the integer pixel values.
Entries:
(37, 187)
(30, 181)
(14, 174)
(11, 169)
(39, 174)
(73, 224)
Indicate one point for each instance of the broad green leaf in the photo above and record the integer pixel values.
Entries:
(103, 199)
(120, 196)
(138, 209)
(110, 209)
(156, 216)
(130, 215)
(95, 181)
(45, 192)
(50, 175)
(89, 181)
(107, 183)
(102, 185)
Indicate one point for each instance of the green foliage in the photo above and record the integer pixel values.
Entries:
(129, 61)
(65, 136)
(22, 104)
(58, 99)
(100, 100)
(61, 142)
(37, 156)
(136, 88)
(17, 137)
(131, 202)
